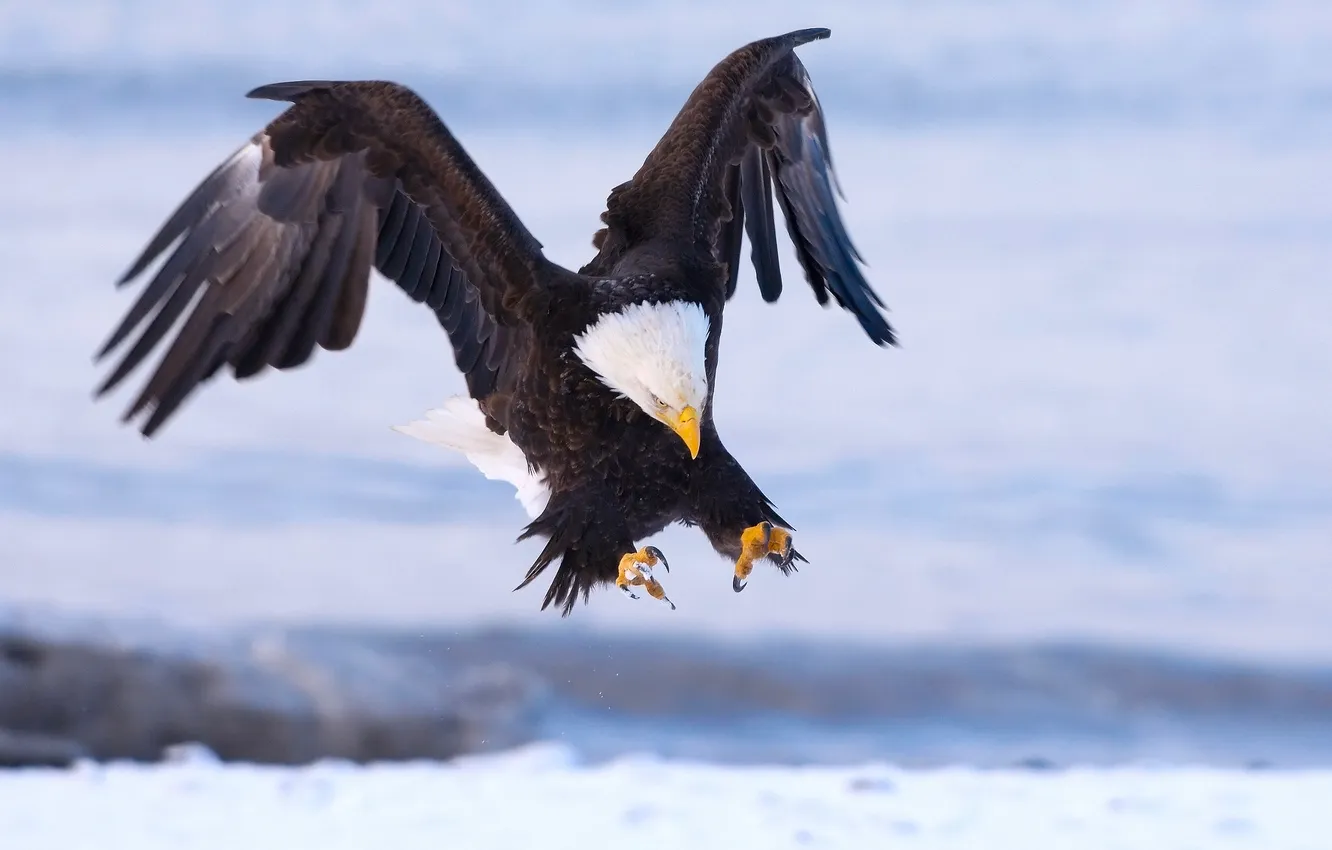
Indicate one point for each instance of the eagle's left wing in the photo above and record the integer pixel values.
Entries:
(752, 125)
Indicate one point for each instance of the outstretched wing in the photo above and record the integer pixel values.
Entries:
(274, 249)
(752, 125)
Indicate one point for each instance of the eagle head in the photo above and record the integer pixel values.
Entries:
(653, 355)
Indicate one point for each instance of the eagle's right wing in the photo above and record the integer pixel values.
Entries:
(274, 249)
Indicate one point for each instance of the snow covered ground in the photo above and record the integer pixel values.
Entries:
(543, 798)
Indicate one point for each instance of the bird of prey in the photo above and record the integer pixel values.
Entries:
(590, 391)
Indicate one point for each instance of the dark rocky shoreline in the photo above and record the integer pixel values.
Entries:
(62, 700)
(296, 696)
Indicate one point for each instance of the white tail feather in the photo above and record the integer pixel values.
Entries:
(460, 425)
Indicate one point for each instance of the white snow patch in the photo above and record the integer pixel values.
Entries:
(541, 797)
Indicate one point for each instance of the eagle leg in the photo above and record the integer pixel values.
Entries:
(636, 571)
(758, 541)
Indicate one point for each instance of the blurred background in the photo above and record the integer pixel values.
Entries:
(1084, 513)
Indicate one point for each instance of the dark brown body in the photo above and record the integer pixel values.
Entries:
(616, 475)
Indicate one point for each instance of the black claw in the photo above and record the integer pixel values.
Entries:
(656, 553)
(786, 562)
(738, 584)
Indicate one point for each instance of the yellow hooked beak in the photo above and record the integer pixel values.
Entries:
(687, 427)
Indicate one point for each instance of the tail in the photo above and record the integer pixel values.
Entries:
(588, 556)
(460, 425)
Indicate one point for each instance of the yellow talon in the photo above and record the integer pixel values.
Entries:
(636, 571)
(759, 541)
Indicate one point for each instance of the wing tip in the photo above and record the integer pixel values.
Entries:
(798, 37)
(291, 91)
(884, 335)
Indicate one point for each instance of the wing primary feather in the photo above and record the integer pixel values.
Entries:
(831, 248)
(825, 187)
(814, 272)
(756, 186)
(733, 236)
(238, 254)
(297, 193)
(212, 190)
(254, 352)
(192, 249)
(806, 193)
(343, 210)
(204, 362)
(178, 356)
(157, 328)
(278, 337)
(354, 290)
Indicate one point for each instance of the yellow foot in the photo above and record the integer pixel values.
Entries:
(758, 541)
(636, 571)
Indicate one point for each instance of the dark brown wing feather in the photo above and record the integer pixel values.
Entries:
(752, 125)
(274, 249)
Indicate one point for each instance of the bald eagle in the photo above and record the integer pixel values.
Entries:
(590, 392)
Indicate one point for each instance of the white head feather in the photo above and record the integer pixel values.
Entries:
(652, 354)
